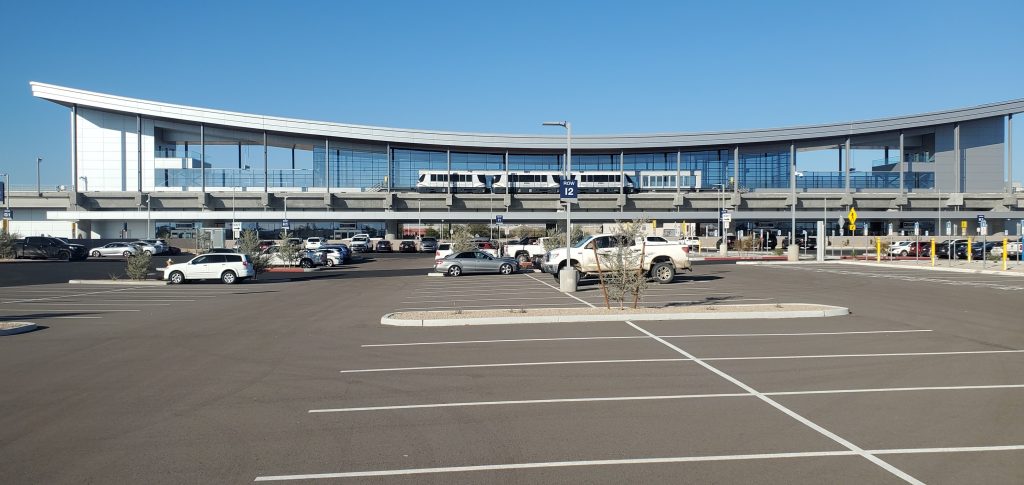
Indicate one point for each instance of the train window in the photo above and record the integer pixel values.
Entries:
(423, 176)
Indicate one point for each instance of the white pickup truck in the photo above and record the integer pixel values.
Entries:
(525, 249)
(661, 261)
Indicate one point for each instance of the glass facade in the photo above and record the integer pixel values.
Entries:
(715, 166)
(530, 163)
(764, 170)
(408, 163)
(351, 168)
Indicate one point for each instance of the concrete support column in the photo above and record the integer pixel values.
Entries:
(391, 180)
(266, 166)
(327, 165)
(293, 157)
(240, 155)
(957, 169)
(622, 172)
(448, 161)
(391, 230)
(902, 168)
(1009, 153)
(74, 150)
(846, 170)
(679, 171)
(735, 170)
(138, 139)
(202, 157)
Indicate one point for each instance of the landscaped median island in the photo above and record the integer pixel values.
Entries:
(567, 315)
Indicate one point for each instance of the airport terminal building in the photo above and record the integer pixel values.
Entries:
(137, 165)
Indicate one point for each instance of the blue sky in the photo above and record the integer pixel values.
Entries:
(610, 67)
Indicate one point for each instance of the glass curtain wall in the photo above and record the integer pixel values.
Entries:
(764, 170)
(715, 166)
(351, 168)
(406, 166)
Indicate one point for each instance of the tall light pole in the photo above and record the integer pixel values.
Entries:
(149, 216)
(39, 161)
(7, 200)
(568, 176)
(792, 227)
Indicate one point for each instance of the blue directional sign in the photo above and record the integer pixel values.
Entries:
(981, 220)
(284, 224)
(568, 189)
(8, 214)
(499, 220)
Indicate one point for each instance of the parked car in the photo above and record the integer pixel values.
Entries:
(305, 258)
(978, 250)
(487, 247)
(332, 256)
(294, 241)
(221, 250)
(314, 242)
(264, 244)
(159, 244)
(660, 261)
(525, 249)
(942, 250)
(114, 249)
(43, 247)
(346, 253)
(900, 248)
(428, 244)
(442, 251)
(228, 268)
(383, 246)
(475, 262)
(920, 249)
(146, 247)
(361, 242)
(407, 247)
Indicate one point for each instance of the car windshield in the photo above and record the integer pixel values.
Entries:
(580, 244)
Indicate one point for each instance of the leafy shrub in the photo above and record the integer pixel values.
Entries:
(137, 266)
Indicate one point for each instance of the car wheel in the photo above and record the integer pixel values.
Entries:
(903, 253)
(663, 272)
(149, 253)
(177, 278)
(522, 257)
(454, 271)
(228, 278)
(96, 254)
(330, 263)
(127, 254)
(64, 255)
(306, 263)
(506, 269)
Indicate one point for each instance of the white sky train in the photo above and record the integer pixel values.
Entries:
(546, 182)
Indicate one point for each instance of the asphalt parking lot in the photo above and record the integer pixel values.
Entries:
(297, 381)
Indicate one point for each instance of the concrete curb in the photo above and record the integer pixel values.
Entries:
(118, 282)
(828, 311)
(775, 262)
(22, 328)
(931, 268)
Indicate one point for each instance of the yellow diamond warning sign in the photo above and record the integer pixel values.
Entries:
(852, 216)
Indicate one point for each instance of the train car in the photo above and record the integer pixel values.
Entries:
(541, 182)
(667, 180)
(603, 182)
(435, 181)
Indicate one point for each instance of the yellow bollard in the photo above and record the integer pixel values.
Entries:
(932, 252)
(1004, 254)
(878, 250)
(970, 254)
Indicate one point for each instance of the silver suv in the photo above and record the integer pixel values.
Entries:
(428, 244)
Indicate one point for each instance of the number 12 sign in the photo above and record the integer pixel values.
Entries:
(568, 189)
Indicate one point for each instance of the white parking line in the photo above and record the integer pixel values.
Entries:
(488, 297)
(843, 356)
(86, 304)
(529, 401)
(629, 461)
(705, 335)
(659, 397)
(511, 364)
(785, 410)
(66, 296)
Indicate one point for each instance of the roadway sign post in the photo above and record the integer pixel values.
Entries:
(963, 228)
(8, 214)
(499, 220)
(949, 228)
(236, 230)
(568, 190)
(284, 224)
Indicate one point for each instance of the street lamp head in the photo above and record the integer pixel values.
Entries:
(554, 123)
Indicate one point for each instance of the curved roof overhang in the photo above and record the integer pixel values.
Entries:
(228, 119)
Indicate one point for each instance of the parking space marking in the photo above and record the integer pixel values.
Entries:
(528, 401)
(634, 461)
(843, 356)
(658, 397)
(785, 410)
(510, 364)
(706, 335)
(959, 279)
(570, 295)
(65, 296)
(76, 317)
(503, 298)
(86, 304)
